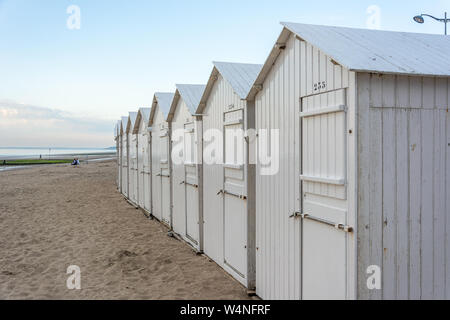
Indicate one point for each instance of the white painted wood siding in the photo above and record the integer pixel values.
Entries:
(403, 203)
(221, 97)
(300, 71)
(185, 215)
(160, 194)
(144, 166)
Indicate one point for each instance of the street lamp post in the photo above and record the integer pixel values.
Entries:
(420, 19)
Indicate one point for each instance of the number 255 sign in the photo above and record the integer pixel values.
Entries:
(319, 85)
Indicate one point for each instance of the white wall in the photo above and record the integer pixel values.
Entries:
(404, 194)
(186, 209)
(143, 166)
(279, 238)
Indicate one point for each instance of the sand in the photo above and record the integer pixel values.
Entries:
(52, 217)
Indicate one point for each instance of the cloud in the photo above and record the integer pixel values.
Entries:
(34, 126)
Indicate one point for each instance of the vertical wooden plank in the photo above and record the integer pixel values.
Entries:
(440, 143)
(428, 93)
(276, 226)
(402, 205)
(352, 195)
(441, 93)
(389, 205)
(345, 78)
(415, 92)
(309, 69)
(388, 89)
(324, 155)
(402, 92)
(376, 91)
(323, 70)
(447, 204)
(332, 145)
(337, 76)
(315, 68)
(302, 70)
(365, 135)
(415, 178)
(330, 74)
(427, 214)
(376, 194)
(298, 153)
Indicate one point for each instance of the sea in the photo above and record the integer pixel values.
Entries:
(37, 152)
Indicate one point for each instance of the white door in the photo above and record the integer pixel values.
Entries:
(234, 194)
(165, 176)
(191, 185)
(324, 198)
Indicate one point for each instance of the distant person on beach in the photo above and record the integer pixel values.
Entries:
(76, 162)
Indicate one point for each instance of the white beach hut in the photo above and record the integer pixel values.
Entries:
(124, 154)
(359, 207)
(228, 182)
(132, 160)
(161, 175)
(186, 133)
(143, 159)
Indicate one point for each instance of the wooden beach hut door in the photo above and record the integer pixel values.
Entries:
(191, 184)
(324, 195)
(234, 195)
(165, 175)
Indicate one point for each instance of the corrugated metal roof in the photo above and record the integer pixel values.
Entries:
(379, 51)
(240, 76)
(191, 95)
(164, 100)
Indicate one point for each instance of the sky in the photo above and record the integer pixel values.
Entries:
(62, 86)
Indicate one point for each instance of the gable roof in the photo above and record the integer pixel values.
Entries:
(240, 76)
(164, 101)
(143, 113)
(379, 51)
(131, 121)
(365, 50)
(191, 95)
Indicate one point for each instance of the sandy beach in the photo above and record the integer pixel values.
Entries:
(52, 217)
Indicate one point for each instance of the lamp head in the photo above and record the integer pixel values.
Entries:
(419, 19)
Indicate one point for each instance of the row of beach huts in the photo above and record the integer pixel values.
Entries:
(340, 187)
